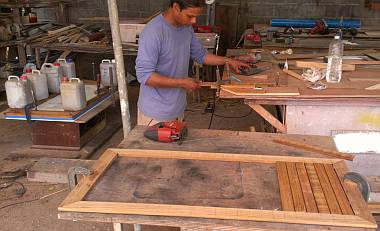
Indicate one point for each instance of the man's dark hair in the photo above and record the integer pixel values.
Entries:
(183, 4)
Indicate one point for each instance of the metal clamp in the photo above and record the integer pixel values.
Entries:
(72, 175)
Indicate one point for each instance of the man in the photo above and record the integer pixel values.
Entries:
(165, 47)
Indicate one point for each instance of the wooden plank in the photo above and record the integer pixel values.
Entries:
(268, 117)
(341, 197)
(317, 189)
(300, 56)
(374, 207)
(298, 200)
(246, 158)
(359, 206)
(374, 55)
(218, 213)
(285, 190)
(311, 204)
(327, 189)
(302, 64)
(359, 79)
(308, 147)
(293, 74)
(361, 62)
(267, 91)
(87, 183)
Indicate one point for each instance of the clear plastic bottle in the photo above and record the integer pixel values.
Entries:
(334, 64)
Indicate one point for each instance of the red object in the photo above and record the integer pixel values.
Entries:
(202, 29)
(167, 131)
(57, 64)
(28, 70)
(320, 28)
(254, 37)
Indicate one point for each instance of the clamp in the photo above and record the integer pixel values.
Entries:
(72, 175)
(361, 182)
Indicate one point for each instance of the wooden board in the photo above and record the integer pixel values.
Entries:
(267, 91)
(302, 64)
(195, 173)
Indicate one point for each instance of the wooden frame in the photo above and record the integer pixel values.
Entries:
(361, 217)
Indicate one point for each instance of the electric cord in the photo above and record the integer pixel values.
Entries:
(213, 111)
(235, 117)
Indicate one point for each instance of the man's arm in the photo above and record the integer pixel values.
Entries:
(157, 80)
(214, 60)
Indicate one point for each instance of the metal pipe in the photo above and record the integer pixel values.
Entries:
(310, 23)
(120, 70)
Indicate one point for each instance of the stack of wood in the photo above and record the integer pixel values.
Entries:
(73, 34)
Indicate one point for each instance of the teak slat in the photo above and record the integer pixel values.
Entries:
(308, 147)
(327, 189)
(317, 189)
(87, 182)
(246, 158)
(343, 202)
(218, 213)
(345, 67)
(299, 203)
(311, 204)
(359, 206)
(285, 190)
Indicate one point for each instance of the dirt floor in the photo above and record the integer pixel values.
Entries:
(36, 209)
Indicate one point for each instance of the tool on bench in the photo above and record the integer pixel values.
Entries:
(72, 175)
(253, 70)
(173, 131)
(321, 28)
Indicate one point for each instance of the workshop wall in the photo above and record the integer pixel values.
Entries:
(254, 11)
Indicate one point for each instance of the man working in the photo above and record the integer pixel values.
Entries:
(165, 48)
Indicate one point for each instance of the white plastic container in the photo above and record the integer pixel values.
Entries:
(54, 73)
(29, 66)
(73, 94)
(105, 73)
(68, 68)
(39, 84)
(335, 61)
(18, 92)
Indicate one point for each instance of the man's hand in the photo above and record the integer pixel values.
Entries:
(189, 84)
(237, 65)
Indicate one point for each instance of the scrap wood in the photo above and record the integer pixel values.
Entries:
(267, 91)
(313, 148)
(293, 74)
(303, 64)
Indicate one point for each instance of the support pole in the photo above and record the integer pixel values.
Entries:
(120, 70)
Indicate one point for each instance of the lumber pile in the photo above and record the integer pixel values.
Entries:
(73, 34)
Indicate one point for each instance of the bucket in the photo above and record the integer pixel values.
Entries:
(73, 94)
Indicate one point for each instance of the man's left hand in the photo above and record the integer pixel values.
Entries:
(237, 65)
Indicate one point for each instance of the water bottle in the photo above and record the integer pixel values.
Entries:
(334, 64)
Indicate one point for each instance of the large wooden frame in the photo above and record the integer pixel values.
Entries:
(361, 217)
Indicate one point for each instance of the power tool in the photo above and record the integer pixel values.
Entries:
(172, 131)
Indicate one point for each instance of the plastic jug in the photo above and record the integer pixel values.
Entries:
(54, 73)
(73, 94)
(39, 84)
(18, 92)
(105, 73)
(29, 66)
(68, 68)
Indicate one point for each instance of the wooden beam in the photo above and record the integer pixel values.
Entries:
(218, 213)
(268, 117)
(312, 148)
(246, 158)
(345, 67)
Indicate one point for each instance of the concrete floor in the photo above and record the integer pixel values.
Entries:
(42, 214)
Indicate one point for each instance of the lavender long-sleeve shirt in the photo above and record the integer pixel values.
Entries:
(166, 50)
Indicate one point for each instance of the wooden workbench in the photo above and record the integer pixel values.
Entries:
(210, 141)
(316, 112)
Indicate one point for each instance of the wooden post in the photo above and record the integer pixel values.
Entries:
(62, 14)
(120, 70)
